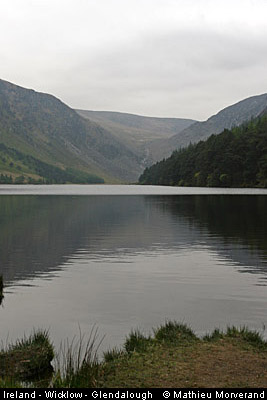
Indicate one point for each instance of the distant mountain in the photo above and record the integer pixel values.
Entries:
(42, 138)
(233, 158)
(229, 117)
(137, 131)
(137, 127)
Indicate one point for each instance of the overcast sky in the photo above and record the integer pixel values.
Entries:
(172, 58)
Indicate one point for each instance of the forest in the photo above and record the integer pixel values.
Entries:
(233, 158)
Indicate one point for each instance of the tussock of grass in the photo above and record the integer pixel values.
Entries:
(112, 355)
(136, 341)
(77, 364)
(27, 358)
(253, 338)
(215, 335)
(174, 332)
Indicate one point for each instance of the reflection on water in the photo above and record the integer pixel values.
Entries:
(39, 234)
(126, 261)
(234, 226)
(1, 289)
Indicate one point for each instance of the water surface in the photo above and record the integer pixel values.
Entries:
(128, 261)
(120, 190)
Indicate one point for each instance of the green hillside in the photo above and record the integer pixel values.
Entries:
(41, 126)
(17, 167)
(234, 158)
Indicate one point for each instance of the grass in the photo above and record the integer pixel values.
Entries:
(9, 383)
(28, 358)
(136, 341)
(176, 357)
(77, 364)
(174, 332)
(173, 356)
(251, 337)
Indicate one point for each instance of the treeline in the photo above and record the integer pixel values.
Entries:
(48, 173)
(6, 179)
(234, 158)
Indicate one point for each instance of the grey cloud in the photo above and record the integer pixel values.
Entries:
(168, 68)
(161, 57)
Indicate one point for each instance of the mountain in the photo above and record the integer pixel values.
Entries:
(138, 131)
(41, 137)
(44, 140)
(233, 158)
(227, 118)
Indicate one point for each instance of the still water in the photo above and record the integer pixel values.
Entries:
(73, 260)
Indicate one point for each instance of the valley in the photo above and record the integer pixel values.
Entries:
(42, 140)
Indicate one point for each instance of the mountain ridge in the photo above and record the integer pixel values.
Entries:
(136, 131)
(137, 121)
(233, 115)
(40, 125)
(41, 136)
(232, 158)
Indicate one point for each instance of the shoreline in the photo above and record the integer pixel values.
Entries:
(123, 190)
(172, 357)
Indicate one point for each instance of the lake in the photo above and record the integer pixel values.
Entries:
(126, 257)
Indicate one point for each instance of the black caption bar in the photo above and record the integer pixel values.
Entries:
(128, 394)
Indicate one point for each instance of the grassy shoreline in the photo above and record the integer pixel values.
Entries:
(173, 356)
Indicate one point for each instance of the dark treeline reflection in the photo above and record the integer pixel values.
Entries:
(40, 233)
(236, 225)
(243, 217)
